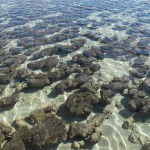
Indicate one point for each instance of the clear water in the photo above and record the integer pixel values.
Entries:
(125, 26)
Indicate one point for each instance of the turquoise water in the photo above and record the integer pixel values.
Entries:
(119, 30)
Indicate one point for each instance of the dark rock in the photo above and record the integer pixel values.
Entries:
(51, 131)
(62, 71)
(145, 85)
(80, 104)
(91, 69)
(15, 61)
(22, 74)
(15, 51)
(89, 87)
(2, 88)
(72, 83)
(140, 72)
(5, 132)
(91, 35)
(40, 115)
(14, 144)
(88, 131)
(146, 146)
(46, 52)
(106, 96)
(140, 105)
(117, 84)
(5, 78)
(9, 101)
(82, 60)
(38, 80)
(47, 63)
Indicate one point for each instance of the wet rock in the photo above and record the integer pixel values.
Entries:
(106, 96)
(9, 101)
(82, 60)
(39, 115)
(132, 92)
(77, 43)
(47, 63)
(88, 131)
(22, 74)
(140, 105)
(4, 70)
(5, 132)
(78, 144)
(51, 131)
(5, 78)
(117, 84)
(65, 49)
(146, 146)
(91, 69)
(98, 119)
(46, 52)
(63, 71)
(133, 138)
(89, 87)
(20, 86)
(15, 51)
(140, 72)
(64, 85)
(94, 52)
(141, 52)
(2, 88)
(93, 36)
(140, 60)
(15, 142)
(31, 50)
(72, 83)
(15, 61)
(145, 85)
(96, 136)
(80, 104)
(38, 80)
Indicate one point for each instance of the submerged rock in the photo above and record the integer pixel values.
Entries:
(78, 144)
(117, 84)
(140, 72)
(106, 96)
(46, 52)
(5, 78)
(133, 138)
(22, 74)
(40, 115)
(145, 85)
(9, 101)
(82, 60)
(2, 88)
(89, 87)
(72, 83)
(51, 131)
(88, 131)
(140, 105)
(5, 132)
(91, 69)
(47, 63)
(38, 80)
(80, 104)
(146, 146)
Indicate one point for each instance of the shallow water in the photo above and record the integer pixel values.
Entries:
(123, 30)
